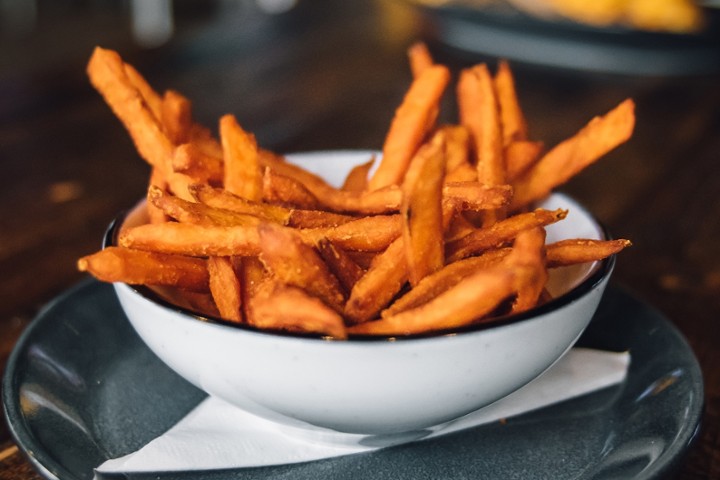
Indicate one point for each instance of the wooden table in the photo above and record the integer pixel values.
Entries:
(324, 77)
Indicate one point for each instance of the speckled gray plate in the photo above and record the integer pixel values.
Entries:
(81, 387)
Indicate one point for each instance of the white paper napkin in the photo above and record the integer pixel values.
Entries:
(218, 435)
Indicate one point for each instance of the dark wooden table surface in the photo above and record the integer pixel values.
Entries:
(329, 75)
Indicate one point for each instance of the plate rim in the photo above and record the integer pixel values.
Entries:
(48, 467)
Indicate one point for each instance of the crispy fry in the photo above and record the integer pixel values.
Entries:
(459, 227)
(569, 157)
(421, 210)
(420, 58)
(462, 173)
(282, 190)
(479, 112)
(291, 309)
(442, 280)
(528, 258)
(357, 178)
(252, 275)
(225, 288)
(581, 250)
(203, 138)
(242, 174)
(465, 303)
(475, 196)
(500, 233)
(294, 263)
(192, 240)
(370, 234)
(411, 123)
(347, 271)
(299, 218)
(152, 99)
(179, 185)
(197, 213)
(107, 73)
(176, 117)
(457, 145)
(199, 302)
(157, 180)
(382, 281)
(220, 198)
(514, 125)
(190, 159)
(520, 156)
(115, 264)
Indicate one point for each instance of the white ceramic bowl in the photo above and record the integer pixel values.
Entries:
(386, 388)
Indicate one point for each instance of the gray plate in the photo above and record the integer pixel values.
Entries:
(81, 387)
(501, 31)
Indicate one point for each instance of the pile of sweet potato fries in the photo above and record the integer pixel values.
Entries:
(441, 234)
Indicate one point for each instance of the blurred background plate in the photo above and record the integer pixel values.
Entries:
(523, 31)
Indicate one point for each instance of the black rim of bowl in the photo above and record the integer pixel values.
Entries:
(603, 269)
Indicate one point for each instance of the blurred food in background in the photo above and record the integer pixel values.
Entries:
(635, 37)
(676, 16)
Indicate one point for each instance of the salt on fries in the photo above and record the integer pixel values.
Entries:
(441, 235)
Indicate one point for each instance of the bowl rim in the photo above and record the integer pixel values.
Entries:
(599, 272)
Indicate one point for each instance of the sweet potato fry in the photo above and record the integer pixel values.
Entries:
(357, 178)
(291, 309)
(574, 251)
(465, 303)
(478, 107)
(198, 302)
(242, 174)
(292, 217)
(283, 253)
(176, 116)
(221, 198)
(411, 123)
(192, 240)
(499, 233)
(152, 99)
(571, 156)
(382, 281)
(253, 276)
(136, 267)
(369, 234)
(300, 218)
(283, 190)
(457, 147)
(420, 58)
(202, 137)
(475, 196)
(442, 280)
(462, 173)
(421, 210)
(197, 213)
(520, 156)
(459, 227)
(190, 159)
(347, 271)
(179, 185)
(225, 288)
(527, 257)
(108, 75)
(514, 124)
(157, 180)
